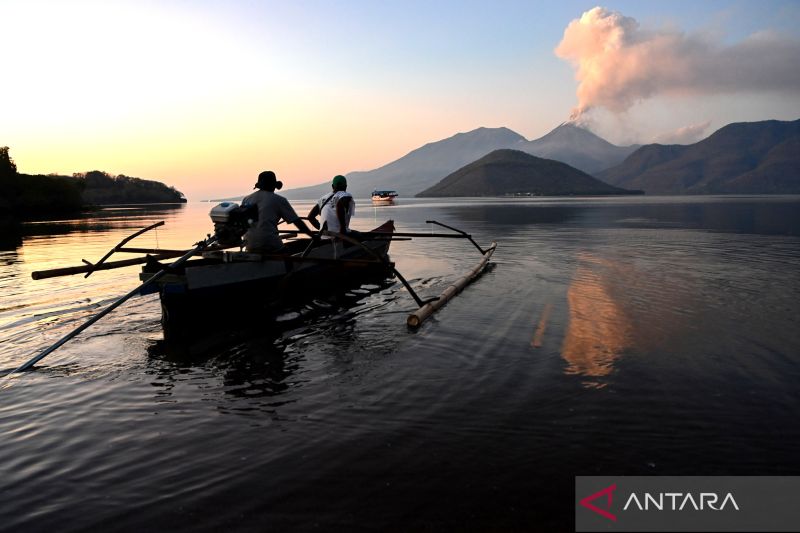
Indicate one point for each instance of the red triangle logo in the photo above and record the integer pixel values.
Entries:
(608, 491)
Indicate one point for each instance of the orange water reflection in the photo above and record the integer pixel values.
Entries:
(598, 330)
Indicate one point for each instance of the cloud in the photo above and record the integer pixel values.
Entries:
(618, 63)
(685, 135)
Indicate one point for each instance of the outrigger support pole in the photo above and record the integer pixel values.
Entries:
(386, 263)
(314, 238)
(199, 247)
(428, 307)
(464, 233)
(123, 242)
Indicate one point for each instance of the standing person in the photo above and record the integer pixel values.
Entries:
(336, 207)
(263, 237)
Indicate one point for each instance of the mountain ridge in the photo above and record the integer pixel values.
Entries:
(514, 172)
(422, 166)
(425, 166)
(577, 147)
(740, 158)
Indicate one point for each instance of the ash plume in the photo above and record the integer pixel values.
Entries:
(685, 135)
(617, 63)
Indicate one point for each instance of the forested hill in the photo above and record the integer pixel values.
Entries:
(24, 196)
(100, 188)
(513, 172)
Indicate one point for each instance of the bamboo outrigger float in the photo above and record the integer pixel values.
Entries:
(186, 285)
(416, 318)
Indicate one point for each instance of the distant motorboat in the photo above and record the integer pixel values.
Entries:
(383, 197)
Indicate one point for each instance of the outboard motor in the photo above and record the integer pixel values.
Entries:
(231, 222)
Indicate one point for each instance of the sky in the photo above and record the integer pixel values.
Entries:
(203, 95)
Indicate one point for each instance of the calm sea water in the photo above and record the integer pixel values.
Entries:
(631, 336)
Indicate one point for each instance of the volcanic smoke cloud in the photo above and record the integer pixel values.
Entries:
(685, 135)
(618, 64)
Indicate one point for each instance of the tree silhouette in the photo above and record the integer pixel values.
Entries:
(25, 196)
(7, 166)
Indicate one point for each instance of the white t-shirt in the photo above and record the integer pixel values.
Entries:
(328, 211)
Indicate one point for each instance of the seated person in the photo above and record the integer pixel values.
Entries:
(336, 208)
(263, 237)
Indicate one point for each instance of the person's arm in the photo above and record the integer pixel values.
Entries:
(303, 228)
(341, 212)
(289, 215)
(313, 214)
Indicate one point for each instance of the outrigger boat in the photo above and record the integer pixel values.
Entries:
(237, 282)
(214, 281)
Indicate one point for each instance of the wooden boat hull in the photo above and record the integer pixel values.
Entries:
(383, 197)
(232, 286)
(381, 200)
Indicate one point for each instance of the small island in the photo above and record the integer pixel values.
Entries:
(25, 196)
(514, 173)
